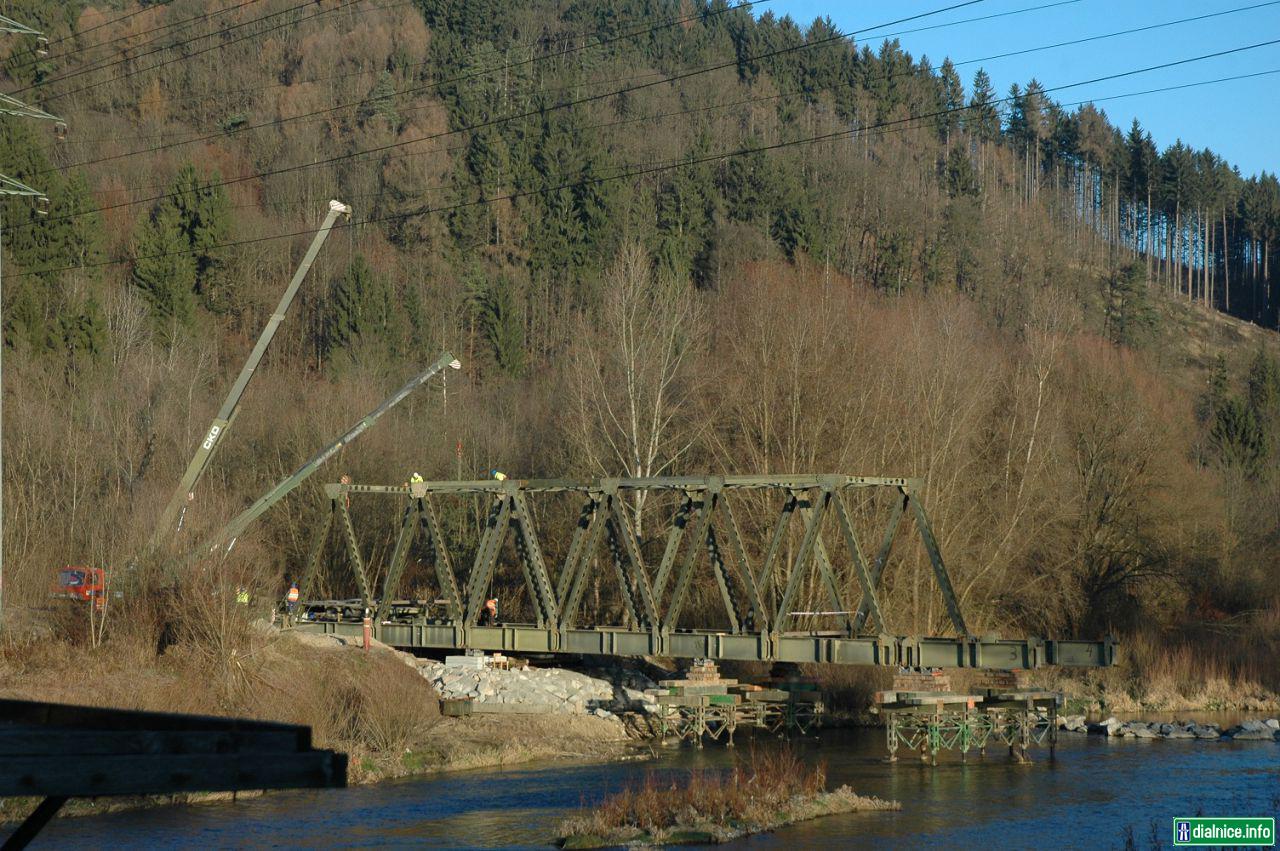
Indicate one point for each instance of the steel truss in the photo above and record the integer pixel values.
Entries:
(653, 602)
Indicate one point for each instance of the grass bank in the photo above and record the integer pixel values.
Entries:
(764, 793)
(373, 705)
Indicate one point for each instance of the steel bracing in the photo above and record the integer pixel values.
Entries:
(758, 597)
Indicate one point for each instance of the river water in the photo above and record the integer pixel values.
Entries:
(1086, 798)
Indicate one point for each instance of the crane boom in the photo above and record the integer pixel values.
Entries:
(227, 413)
(228, 534)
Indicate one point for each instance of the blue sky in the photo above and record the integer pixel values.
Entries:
(1238, 120)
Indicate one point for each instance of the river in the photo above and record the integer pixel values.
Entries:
(1086, 798)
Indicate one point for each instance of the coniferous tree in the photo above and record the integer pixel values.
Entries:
(499, 320)
(204, 216)
(164, 270)
(1130, 315)
(951, 99)
(1238, 437)
(1264, 393)
(360, 310)
(961, 180)
(380, 102)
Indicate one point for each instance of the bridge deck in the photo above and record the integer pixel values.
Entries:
(886, 650)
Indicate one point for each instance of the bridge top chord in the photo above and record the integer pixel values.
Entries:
(689, 484)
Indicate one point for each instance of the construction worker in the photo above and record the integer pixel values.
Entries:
(242, 596)
(291, 598)
(416, 479)
(498, 475)
(489, 614)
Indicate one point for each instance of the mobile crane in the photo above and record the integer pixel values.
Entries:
(177, 508)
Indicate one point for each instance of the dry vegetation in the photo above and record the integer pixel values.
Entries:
(859, 318)
(764, 792)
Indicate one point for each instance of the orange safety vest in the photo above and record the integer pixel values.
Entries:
(492, 606)
(292, 596)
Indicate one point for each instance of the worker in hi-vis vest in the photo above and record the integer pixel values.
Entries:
(291, 599)
(489, 614)
(242, 595)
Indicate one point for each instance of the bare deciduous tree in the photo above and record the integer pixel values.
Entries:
(631, 373)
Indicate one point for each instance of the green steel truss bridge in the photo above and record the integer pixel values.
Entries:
(749, 613)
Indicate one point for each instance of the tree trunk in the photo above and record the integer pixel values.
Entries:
(1226, 262)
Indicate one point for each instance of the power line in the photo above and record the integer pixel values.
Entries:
(277, 122)
(114, 20)
(528, 114)
(224, 31)
(532, 90)
(1118, 33)
(747, 151)
(87, 48)
(367, 71)
(595, 97)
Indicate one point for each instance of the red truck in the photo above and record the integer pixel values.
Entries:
(84, 584)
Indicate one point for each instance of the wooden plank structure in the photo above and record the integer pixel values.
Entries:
(57, 751)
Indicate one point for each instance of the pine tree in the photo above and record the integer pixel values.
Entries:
(982, 119)
(951, 99)
(380, 102)
(496, 313)
(1237, 436)
(961, 180)
(1264, 392)
(360, 309)
(204, 215)
(164, 269)
(1130, 316)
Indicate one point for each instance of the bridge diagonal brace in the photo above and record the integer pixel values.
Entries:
(828, 575)
(641, 588)
(530, 553)
(811, 524)
(446, 576)
(618, 559)
(404, 540)
(317, 549)
(674, 535)
(573, 558)
(775, 542)
(681, 589)
(757, 617)
(939, 567)
(357, 560)
(882, 558)
(486, 557)
(723, 580)
(579, 569)
(869, 598)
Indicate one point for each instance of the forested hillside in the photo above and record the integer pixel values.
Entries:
(663, 236)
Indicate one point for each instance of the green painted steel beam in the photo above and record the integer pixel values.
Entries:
(879, 651)
(678, 483)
